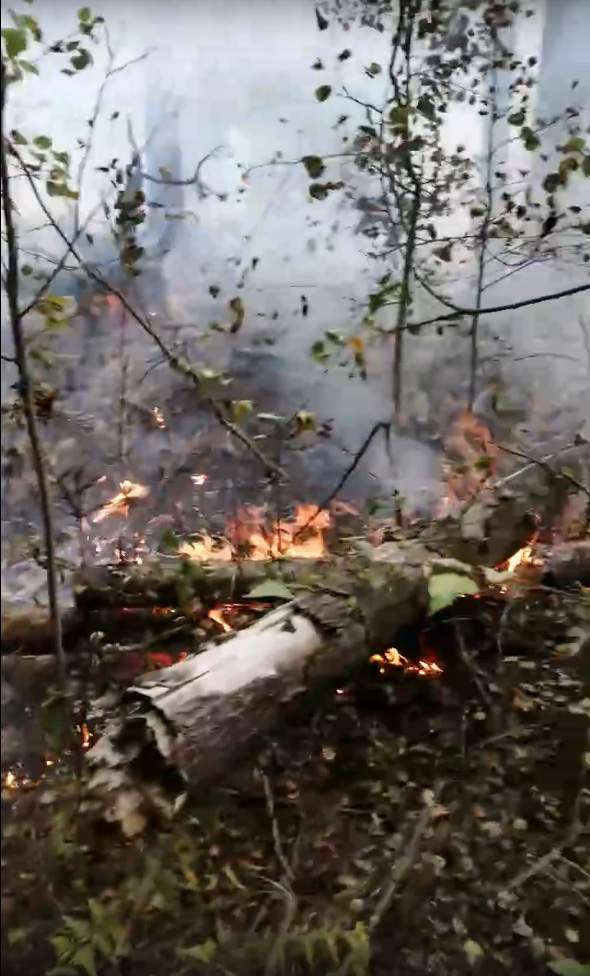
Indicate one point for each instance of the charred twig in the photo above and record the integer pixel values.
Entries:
(180, 365)
(380, 425)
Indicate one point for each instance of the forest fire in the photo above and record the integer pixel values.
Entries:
(247, 534)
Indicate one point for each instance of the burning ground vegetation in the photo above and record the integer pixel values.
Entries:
(391, 807)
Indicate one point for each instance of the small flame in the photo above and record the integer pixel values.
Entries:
(84, 735)
(10, 781)
(158, 417)
(119, 505)
(299, 538)
(393, 659)
(524, 555)
(198, 479)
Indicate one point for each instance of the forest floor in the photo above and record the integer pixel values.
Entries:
(409, 825)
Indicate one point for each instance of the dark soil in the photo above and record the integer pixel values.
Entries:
(414, 825)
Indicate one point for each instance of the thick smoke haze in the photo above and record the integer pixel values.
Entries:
(235, 80)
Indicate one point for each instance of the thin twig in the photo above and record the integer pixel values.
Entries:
(276, 835)
(512, 306)
(544, 464)
(473, 670)
(401, 867)
(380, 425)
(285, 886)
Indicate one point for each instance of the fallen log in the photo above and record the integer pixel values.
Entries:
(177, 582)
(187, 723)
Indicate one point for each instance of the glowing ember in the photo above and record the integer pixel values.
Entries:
(300, 538)
(159, 417)
(10, 782)
(393, 659)
(198, 479)
(119, 505)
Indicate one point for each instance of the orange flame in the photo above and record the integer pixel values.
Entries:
(393, 659)
(469, 462)
(300, 538)
(119, 505)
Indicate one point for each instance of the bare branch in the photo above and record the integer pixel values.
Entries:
(459, 312)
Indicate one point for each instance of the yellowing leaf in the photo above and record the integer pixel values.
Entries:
(473, 951)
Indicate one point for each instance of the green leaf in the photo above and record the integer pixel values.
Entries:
(83, 958)
(272, 418)
(319, 191)
(15, 41)
(445, 253)
(444, 588)
(586, 166)
(79, 926)
(271, 590)
(203, 952)
(321, 20)
(552, 182)
(530, 139)
(314, 166)
(84, 14)
(81, 60)
(569, 967)
(323, 92)
(232, 877)
(517, 118)
(169, 541)
(237, 307)
(31, 69)
(425, 106)
(42, 142)
(575, 144)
